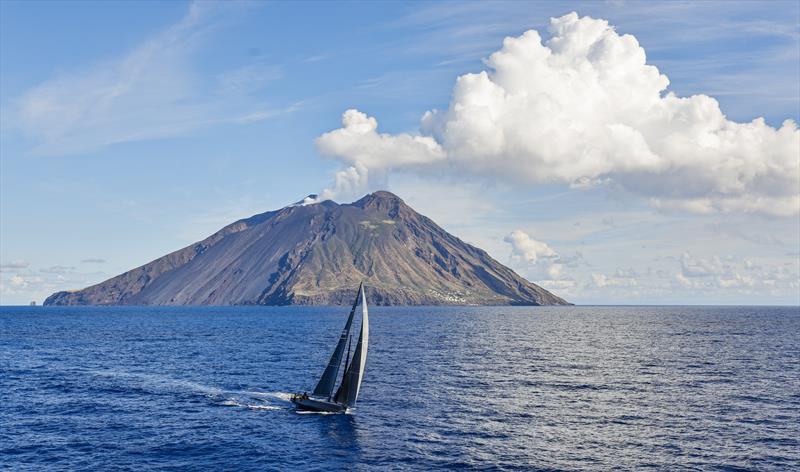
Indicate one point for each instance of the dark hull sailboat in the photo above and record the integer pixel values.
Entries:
(323, 398)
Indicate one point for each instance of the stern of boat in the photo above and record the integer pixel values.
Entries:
(307, 403)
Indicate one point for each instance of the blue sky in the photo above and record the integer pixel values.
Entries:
(131, 129)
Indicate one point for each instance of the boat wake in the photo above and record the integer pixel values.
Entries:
(307, 412)
(150, 384)
(254, 400)
(250, 406)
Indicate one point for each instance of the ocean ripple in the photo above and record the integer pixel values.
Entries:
(494, 388)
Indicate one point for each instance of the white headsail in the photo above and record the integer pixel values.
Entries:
(351, 382)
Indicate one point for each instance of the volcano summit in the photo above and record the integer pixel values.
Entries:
(314, 254)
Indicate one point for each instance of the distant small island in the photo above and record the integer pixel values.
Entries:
(313, 253)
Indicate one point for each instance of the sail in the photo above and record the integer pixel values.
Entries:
(328, 379)
(351, 383)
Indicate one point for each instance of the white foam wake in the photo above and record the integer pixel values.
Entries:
(253, 400)
(256, 400)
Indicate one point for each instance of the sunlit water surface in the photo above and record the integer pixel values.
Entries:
(481, 388)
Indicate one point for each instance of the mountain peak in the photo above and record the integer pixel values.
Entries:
(385, 195)
(380, 200)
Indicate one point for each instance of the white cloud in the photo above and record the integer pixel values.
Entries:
(585, 109)
(58, 269)
(27, 284)
(366, 152)
(716, 273)
(14, 265)
(559, 286)
(151, 92)
(249, 78)
(691, 267)
(538, 257)
(603, 281)
(526, 249)
(703, 279)
(18, 281)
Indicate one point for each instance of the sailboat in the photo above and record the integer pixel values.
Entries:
(323, 398)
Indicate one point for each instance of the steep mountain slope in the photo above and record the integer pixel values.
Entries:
(317, 254)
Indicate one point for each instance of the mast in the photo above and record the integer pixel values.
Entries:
(326, 383)
(354, 373)
(347, 357)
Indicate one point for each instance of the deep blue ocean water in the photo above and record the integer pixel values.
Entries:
(495, 388)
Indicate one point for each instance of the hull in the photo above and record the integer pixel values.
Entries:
(313, 404)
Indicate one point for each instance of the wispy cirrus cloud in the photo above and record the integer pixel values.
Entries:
(14, 265)
(153, 91)
(249, 78)
(57, 269)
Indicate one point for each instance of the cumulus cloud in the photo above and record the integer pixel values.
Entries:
(716, 273)
(617, 280)
(526, 249)
(541, 260)
(26, 283)
(698, 278)
(19, 283)
(364, 151)
(583, 109)
(691, 267)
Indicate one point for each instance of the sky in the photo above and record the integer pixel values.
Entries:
(613, 152)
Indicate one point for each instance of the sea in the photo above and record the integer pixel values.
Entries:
(467, 388)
